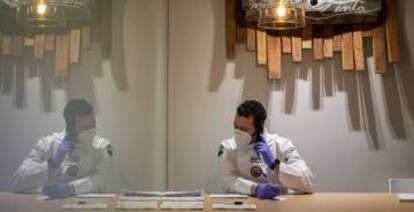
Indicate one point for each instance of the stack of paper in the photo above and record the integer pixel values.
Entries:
(229, 206)
(167, 205)
(132, 198)
(96, 195)
(163, 194)
(182, 199)
(230, 196)
(406, 197)
(84, 206)
(140, 205)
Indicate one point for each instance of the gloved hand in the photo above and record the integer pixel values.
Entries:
(267, 191)
(64, 148)
(56, 190)
(263, 149)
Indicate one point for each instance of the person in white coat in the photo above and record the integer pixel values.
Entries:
(257, 163)
(70, 162)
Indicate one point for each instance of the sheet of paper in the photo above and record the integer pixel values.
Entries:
(124, 198)
(182, 199)
(232, 196)
(96, 195)
(228, 206)
(84, 206)
(406, 197)
(182, 205)
(163, 194)
(142, 205)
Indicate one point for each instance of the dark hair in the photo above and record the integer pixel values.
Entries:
(253, 108)
(76, 107)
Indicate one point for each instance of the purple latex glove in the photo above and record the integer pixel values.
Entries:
(64, 148)
(263, 149)
(267, 191)
(56, 190)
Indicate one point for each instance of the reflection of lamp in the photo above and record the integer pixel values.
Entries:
(282, 14)
(51, 13)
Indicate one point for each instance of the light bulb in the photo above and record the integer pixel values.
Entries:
(41, 8)
(281, 11)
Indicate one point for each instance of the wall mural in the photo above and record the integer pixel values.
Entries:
(332, 26)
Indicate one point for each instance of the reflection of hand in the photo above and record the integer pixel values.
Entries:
(267, 190)
(263, 149)
(57, 190)
(64, 148)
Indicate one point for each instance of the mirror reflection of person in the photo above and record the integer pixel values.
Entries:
(257, 163)
(70, 162)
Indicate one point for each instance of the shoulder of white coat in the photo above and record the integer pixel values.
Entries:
(102, 144)
(227, 145)
(46, 141)
(280, 141)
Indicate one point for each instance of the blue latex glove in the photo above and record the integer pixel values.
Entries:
(263, 149)
(56, 190)
(267, 191)
(64, 148)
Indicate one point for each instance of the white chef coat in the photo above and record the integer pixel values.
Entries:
(236, 164)
(93, 162)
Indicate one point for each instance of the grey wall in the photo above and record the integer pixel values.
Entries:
(128, 91)
(353, 130)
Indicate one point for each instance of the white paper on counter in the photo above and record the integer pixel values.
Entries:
(142, 205)
(92, 195)
(182, 199)
(182, 205)
(84, 206)
(406, 197)
(232, 196)
(124, 198)
(228, 206)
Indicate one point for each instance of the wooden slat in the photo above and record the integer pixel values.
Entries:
(230, 29)
(7, 45)
(391, 29)
(297, 45)
(17, 46)
(358, 50)
(86, 38)
(251, 37)
(337, 43)
(50, 42)
(39, 46)
(307, 37)
(274, 48)
(367, 33)
(286, 41)
(241, 23)
(379, 51)
(347, 51)
(261, 51)
(62, 56)
(317, 43)
(106, 28)
(74, 45)
(28, 41)
(327, 42)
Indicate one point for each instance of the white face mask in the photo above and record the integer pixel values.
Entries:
(86, 137)
(242, 138)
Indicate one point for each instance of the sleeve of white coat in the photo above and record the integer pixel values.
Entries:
(33, 172)
(229, 174)
(96, 181)
(293, 172)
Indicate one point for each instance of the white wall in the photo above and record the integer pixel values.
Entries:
(128, 92)
(355, 132)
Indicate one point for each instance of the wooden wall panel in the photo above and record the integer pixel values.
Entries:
(74, 49)
(347, 51)
(18, 46)
(307, 37)
(6, 45)
(274, 46)
(261, 48)
(317, 43)
(358, 50)
(286, 41)
(62, 55)
(86, 38)
(251, 37)
(378, 44)
(230, 29)
(391, 29)
(50, 42)
(297, 45)
(39, 46)
(327, 42)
